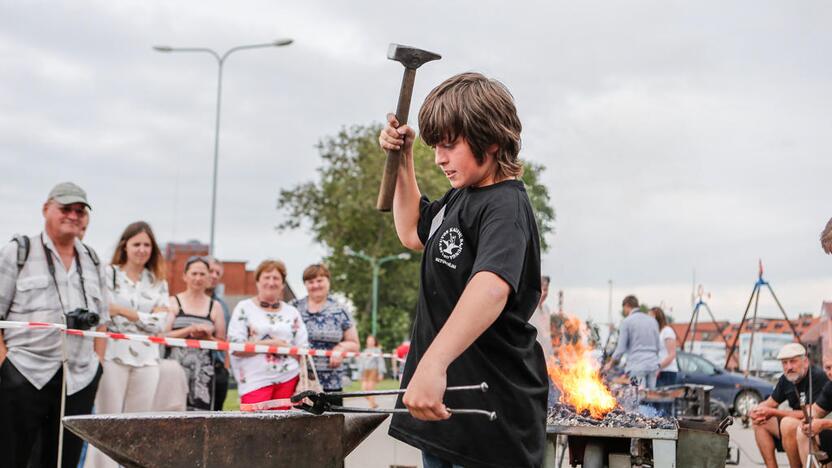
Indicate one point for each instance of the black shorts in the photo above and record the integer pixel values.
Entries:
(825, 438)
(778, 441)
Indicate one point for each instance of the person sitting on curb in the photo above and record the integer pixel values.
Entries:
(821, 428)
(776, 429)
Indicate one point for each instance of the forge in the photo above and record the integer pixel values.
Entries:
(226, 439)
(623, 439)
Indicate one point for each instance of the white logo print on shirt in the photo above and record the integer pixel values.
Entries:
(450, 244)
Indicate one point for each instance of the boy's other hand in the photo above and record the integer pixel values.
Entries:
(424, 394)
(395, 137)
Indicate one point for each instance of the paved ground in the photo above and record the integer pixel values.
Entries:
(382, 451)
(749, 455)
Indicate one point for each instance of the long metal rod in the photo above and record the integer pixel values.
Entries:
(483, 387)
(690, 326)
(220, 63)
(753, 331)
(744, 315)
(716, 324)
(491, 415)
(783, 311)
(695, 326)
(374, 316)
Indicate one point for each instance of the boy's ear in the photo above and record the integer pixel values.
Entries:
(492, 150)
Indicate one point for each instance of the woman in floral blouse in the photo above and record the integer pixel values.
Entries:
(267, 320)
(139, 294)
(330, 326)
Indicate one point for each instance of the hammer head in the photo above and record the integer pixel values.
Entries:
(410, 57)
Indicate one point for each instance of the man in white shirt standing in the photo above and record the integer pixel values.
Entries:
(50, 277)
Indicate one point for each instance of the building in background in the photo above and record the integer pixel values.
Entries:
(238, 281)
(769, 336)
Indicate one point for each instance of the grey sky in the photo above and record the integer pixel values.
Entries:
(677, 135)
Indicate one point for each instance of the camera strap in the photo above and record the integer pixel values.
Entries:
(50, 263)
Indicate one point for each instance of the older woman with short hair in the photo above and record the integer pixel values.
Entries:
(330, 326)
(267, 320)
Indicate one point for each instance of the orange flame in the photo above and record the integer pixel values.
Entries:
(576, 372)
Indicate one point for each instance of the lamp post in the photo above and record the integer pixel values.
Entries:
(376, 263)
(220, 62)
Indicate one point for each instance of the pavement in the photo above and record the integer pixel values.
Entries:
(382, 451)
(749, 454)
(379, 450)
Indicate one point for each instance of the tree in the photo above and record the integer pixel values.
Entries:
(339, 210)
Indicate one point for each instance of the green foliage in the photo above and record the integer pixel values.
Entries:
(339, 210)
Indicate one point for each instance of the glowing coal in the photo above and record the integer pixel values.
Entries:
(576, 372)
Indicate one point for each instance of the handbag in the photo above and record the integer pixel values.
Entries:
(308, 380)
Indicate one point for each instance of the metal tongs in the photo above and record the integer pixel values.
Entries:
(322, 402)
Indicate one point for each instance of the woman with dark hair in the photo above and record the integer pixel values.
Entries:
(329, 325)
(197, 317)
(138, 305)
(267, 320)
(668, 369)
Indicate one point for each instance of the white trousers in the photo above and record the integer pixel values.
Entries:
(172, 392)
(123, 389)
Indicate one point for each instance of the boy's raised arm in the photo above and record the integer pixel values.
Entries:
(407, 196)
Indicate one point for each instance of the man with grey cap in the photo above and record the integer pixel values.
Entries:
(776, 429)
(50, 277)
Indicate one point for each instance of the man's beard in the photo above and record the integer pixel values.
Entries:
(793, 377)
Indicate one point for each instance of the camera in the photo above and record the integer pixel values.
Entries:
(81, 319)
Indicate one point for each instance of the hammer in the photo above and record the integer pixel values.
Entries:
(412, 58)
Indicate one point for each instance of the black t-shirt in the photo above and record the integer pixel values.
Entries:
(465, 232)
(824, 400)
(785, 390)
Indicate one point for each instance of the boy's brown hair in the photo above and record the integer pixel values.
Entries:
(480, 110)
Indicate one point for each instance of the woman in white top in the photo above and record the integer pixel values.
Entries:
(138, 305)
(668, 369)
(267, 320)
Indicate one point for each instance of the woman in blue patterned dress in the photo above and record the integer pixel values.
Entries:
(329, 325)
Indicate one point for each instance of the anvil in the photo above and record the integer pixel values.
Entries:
(225, 439)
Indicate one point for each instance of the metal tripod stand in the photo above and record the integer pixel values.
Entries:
(755, 298)
(694, 322)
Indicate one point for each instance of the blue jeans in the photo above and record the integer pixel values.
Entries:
(646, 379)
(432, 461)
(667, 378)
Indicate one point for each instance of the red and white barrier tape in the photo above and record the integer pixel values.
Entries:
(188, 343)
(280, 403)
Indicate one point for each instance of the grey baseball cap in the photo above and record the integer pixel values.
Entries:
(67, 193)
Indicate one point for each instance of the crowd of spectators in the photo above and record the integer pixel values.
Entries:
(54, 277)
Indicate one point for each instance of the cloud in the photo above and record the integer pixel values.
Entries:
(676, 136)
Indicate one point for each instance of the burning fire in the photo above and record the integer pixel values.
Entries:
(576, 373)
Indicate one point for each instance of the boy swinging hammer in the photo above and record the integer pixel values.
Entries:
(480, 283)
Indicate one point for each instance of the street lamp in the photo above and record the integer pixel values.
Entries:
(376, 263)
(220, 62)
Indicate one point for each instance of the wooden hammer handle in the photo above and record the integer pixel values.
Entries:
(391, 166)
